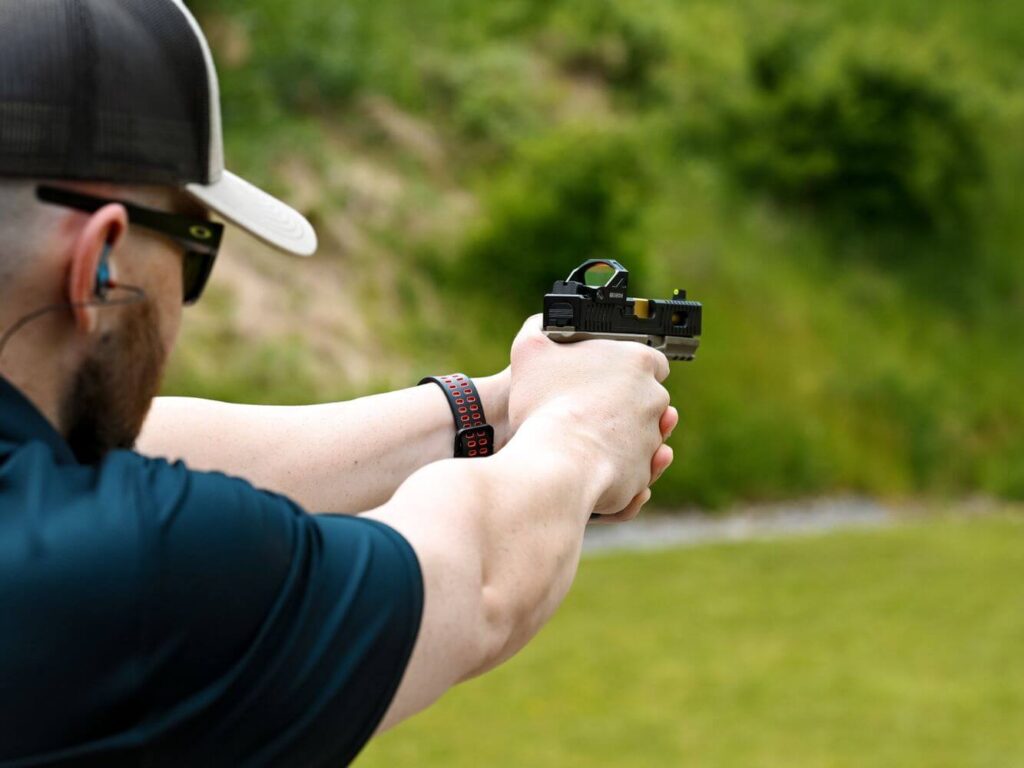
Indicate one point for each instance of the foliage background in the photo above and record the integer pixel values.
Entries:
(840, 185)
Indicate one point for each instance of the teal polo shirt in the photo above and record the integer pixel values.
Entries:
(152, 615)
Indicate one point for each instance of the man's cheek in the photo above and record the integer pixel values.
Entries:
(169, 305)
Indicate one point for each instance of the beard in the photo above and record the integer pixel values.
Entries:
(110, 394)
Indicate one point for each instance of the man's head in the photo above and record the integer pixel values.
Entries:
(114, 99)
(105, 347)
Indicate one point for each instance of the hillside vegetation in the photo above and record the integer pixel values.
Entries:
(840, 186)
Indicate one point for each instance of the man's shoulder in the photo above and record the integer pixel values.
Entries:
(134, 536)
(129, 579)
(124, 530)
(60, 514)
(137, 580)
(124, 484)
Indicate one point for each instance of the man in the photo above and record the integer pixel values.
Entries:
(152, 613)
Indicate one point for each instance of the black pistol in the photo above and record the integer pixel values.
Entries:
(592, 304)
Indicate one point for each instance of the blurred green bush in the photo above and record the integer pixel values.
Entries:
(873, 129)
(575, 195)
(623, 44)
(778, 159)
(492, 98)
(266, 75)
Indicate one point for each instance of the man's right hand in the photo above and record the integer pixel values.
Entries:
(608, 399)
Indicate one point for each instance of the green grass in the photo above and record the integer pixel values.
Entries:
(897, 647)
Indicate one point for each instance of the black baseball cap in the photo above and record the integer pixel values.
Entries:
(125, 91)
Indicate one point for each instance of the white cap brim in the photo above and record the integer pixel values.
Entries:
(261, 215)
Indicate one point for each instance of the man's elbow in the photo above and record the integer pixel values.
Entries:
(506, 624)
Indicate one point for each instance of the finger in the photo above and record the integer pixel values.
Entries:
(660, 365)
(662, 460)
(627, 514)
(632, 510)
(669, 421)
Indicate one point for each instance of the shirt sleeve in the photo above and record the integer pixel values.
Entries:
(272, 636)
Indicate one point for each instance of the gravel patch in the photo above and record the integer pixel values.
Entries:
(662, 531)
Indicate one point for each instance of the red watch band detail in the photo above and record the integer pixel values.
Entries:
(473, 435)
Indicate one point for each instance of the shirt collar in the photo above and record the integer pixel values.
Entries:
(21, 422)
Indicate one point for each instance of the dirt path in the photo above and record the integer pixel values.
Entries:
(662, 531)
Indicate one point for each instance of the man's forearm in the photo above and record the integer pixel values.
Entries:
(335, 457)
(498, 541)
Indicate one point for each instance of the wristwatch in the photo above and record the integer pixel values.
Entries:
(473, 435)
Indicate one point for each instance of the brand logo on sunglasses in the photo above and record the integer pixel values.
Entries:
(200, 232)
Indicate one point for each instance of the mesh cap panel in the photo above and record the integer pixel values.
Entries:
(103, 90)
(125, 91)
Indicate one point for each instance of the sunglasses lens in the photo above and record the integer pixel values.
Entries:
(196, 270)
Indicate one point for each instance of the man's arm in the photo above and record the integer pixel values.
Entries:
(499, 539)
(337, 457)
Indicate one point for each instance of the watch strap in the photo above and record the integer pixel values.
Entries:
(473, 435)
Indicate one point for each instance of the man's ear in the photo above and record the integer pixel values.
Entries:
(106, 227)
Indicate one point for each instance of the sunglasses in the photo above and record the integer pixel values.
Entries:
(199, 237)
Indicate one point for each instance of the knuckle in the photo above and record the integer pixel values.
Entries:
(531, 326)
(658, 363)
(642, 357)
(537, 341)
(664, 399)
(529, 345)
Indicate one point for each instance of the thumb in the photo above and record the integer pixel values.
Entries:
(530, 336)
(532, 327)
